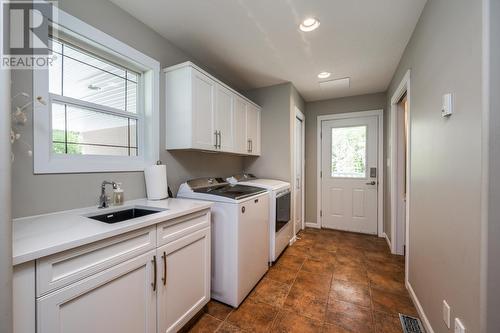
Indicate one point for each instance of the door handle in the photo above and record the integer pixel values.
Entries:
(372, 183)
(164, 278)
(153, 284)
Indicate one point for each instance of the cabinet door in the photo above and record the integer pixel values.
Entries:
(119, 299)
(240, 130)
(253, 130)
(203, 111)
(184, 279)
(224, 118)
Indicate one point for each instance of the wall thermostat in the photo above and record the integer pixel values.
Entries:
(447, 107)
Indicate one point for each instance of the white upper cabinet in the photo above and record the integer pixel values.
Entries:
(205, 114)
(253, 130)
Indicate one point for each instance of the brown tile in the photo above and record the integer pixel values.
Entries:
(290, 262)
(343, 259)
(270, 292)
(306, 302)
(298, 251)
(332, 328)
(392, 303)
(253, 316)
(316, 283)
(385, 323)
(392, 282)
(319, 253)
(349, 316)
(351, 273)
(282, 275)
(318, 266)
(206, 324)
(287, 321)
(218, 310)
(228, 328)
(356, 293)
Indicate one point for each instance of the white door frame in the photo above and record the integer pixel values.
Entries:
(302, 117)
(380, 166)
(404, 87)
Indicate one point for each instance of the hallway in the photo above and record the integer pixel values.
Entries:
(328, 281)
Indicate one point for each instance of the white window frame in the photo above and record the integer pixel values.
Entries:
(45, 161)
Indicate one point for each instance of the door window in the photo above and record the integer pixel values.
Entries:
(349, 152)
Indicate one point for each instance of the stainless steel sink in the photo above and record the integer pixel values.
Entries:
(125, 214)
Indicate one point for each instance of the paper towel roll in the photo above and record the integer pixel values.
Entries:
(156, 182)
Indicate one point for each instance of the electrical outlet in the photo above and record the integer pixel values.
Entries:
(446, 313)
(459, 327)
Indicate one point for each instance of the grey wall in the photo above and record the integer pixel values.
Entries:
(275, 159)
(444, 55)
(36, 194)
(332, 106)
(5, 200)
(491, 233)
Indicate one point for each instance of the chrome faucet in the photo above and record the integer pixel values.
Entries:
(103, 198)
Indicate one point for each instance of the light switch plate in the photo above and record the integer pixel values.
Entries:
(446, 313)
(447, 107)
(459, 327)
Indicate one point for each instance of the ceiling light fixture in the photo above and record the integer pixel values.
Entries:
(324, 75)
(309, 24)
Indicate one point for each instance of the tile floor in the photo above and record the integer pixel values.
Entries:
(328, 281)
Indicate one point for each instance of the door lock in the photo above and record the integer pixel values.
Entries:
(371, 183)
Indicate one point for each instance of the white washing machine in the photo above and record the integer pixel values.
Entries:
(240, 233)
(279, 218)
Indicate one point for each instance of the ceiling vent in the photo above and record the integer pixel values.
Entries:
(336, 84)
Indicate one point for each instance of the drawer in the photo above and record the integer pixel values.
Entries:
(62, 269)
(182, 226)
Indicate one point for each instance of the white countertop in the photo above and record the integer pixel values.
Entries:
(42, 235)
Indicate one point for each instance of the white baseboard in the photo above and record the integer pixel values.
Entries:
(312, 225)
(293, 240)
(420, 310)
(387, 240)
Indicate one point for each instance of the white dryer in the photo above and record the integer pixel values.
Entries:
(279, 218)
(240, 234)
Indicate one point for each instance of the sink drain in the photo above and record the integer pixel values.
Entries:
(411, 324)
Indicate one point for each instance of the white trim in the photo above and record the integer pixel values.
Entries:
(384, 235)
(46, 162)
(380, 193)
(404, 86)
(313, 225)
(420, 309)
(299, 115)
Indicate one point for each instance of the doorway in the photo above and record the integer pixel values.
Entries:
(299, 166)
(350, 180)
(400, 167)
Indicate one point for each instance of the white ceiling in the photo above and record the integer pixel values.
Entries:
(257, 43)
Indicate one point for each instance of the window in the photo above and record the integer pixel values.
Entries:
(99, 115)
(349, 152)
(102, 100)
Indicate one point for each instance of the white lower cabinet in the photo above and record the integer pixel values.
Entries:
(152, 280)
(119, 299)
(184, 287)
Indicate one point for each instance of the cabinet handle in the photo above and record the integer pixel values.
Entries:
(251, 145)
(153, 284)
(216, 139)
(164, 278)
(248, 145)
(220, 139)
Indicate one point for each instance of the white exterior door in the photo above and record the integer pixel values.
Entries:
(203, 111)
(224, 118)
(349, 178)
(183, 279)
(119, 299)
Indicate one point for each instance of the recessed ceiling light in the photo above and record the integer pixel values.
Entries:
(309, 24)
(324, 75)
